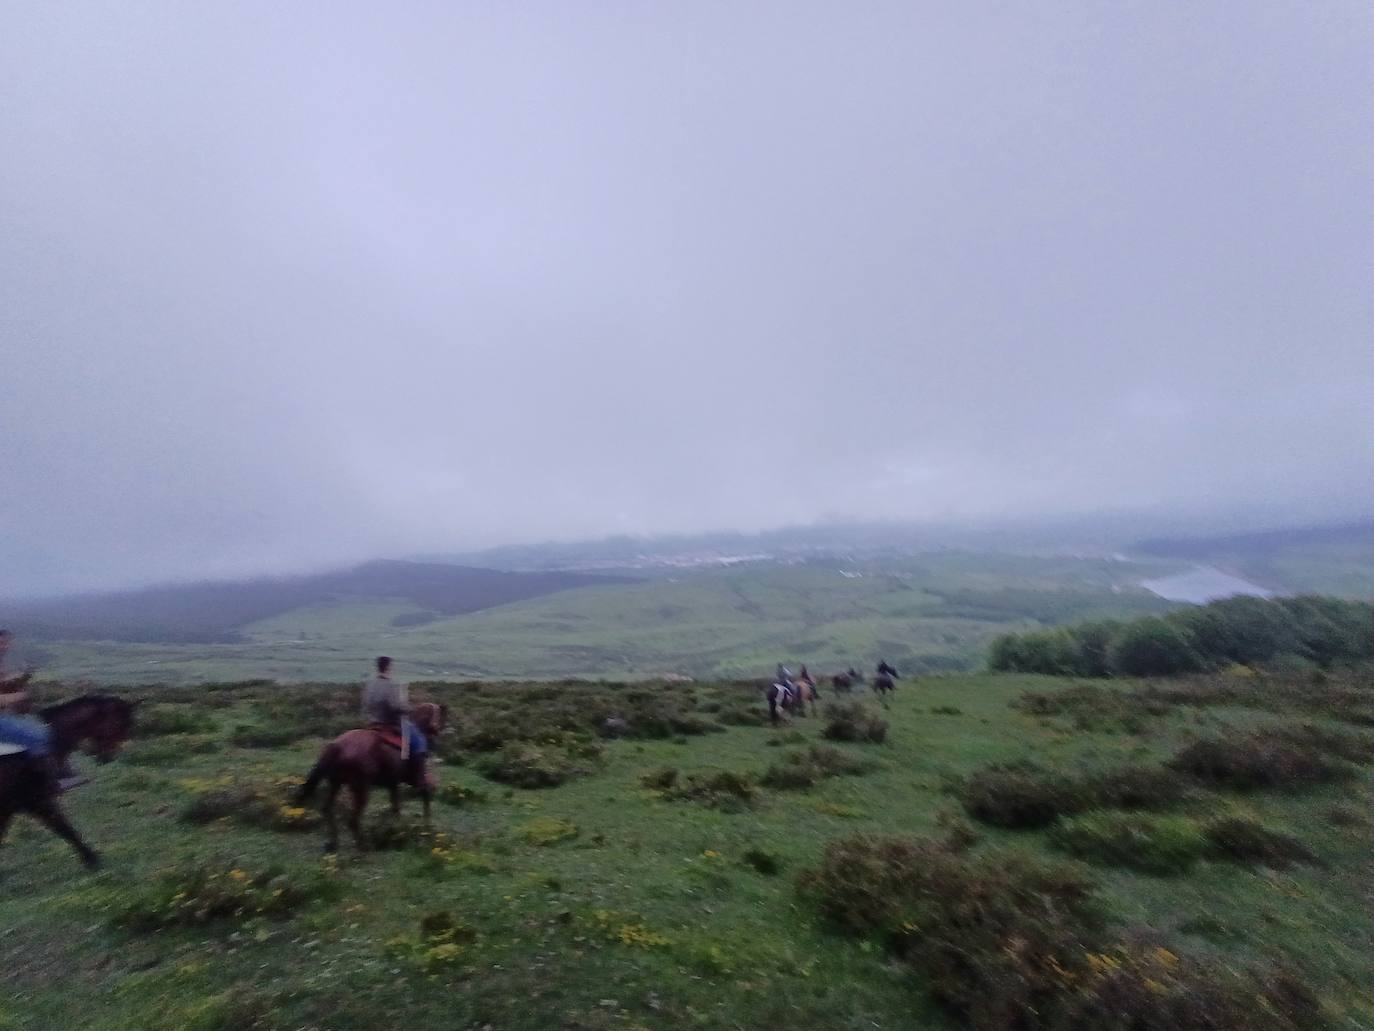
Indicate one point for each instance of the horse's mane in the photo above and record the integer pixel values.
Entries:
(103, 701)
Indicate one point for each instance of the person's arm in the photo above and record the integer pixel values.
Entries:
(402, 701)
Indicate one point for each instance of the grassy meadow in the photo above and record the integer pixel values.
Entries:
(933, 612)
(688, 875)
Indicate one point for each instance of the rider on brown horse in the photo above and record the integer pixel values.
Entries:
(386, 706)
(18, 727)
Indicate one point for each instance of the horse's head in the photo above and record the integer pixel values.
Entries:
(102, 722)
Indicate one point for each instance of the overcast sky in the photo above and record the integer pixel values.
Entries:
(289, 284)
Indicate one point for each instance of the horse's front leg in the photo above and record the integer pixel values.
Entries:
(331, 822)
(56, 821)
(394, 790)
(358, 793)
(425, 800)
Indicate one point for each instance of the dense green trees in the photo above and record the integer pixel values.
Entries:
(1253, 631)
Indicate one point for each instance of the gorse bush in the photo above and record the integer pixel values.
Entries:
(1245, 841)
(1265, 760)
(1012, 945)
(1024, 795)
(723, 789)
(530, 767)
(201, 894)
(1152, 844)
(854, 722)
(265, 804)
(799, 771)
(1317, 631)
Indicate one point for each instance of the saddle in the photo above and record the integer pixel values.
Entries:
(390, 735)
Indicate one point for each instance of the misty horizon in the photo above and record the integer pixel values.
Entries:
(286, 289)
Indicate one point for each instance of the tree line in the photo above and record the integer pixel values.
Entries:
(1290, 632)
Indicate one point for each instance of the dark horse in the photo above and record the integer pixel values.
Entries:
(882, 684)
(362, 760)
(844, 682)
(29, 784)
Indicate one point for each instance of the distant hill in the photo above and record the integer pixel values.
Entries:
(213, 613)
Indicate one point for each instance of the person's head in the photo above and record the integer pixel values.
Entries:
(383, 664)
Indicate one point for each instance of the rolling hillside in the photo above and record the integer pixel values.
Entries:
(927, 613)
(216, 613)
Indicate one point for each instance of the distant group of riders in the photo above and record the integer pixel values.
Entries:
(390, 752)
(789, 693)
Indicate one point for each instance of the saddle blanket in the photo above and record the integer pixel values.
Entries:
(389, 735)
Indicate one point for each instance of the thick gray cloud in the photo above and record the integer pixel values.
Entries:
(289, 284)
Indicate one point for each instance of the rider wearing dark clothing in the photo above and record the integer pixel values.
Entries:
(884, 670)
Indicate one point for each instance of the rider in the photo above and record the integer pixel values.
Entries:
(17, 724)
(884, 670)
(386, 702)
(783, 678)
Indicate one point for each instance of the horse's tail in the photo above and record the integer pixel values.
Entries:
(323, 767)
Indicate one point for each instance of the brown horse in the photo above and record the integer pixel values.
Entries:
(29, 784)
(361, 760)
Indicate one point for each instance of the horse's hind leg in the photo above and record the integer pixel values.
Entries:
(331, 822)
(56, 821)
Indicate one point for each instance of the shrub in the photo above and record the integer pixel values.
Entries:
(1152, 647)
(1019, 795)
(1136, 787)
(988, 933)
(799, 771)
(853, 721)
(1261, 760)
(1245, 841)
(1010, 944)
(526, 766)
(661, 779)
(1156, 845)
(197, 894)
(267, 805)
(723, 789)
(766, 863)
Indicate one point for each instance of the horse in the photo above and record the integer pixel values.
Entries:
(882, 684)
(782, 700)
(28, 783)
(361, 760)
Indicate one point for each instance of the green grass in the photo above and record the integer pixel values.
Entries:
(933, 612)
(602, 902)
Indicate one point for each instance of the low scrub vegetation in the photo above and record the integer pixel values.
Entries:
(855, 722)
(265, 804)
(1245, 841)
(1007, 943)
(723, 789)
(799, 771)
(203, 893)
(1024, 795)
(529, 766)
(1264, 760)
(1162, 845)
